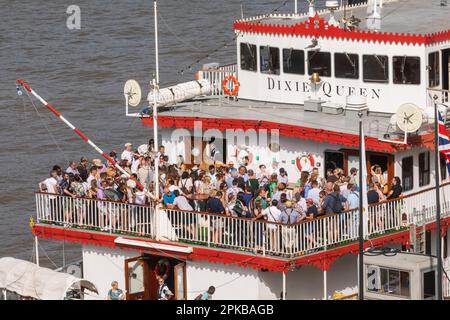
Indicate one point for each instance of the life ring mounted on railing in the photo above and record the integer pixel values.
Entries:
(225, 88)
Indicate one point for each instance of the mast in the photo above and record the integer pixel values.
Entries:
(438, 202)
(361, 211)
(78, 132)
(155, 83)
(155, 12)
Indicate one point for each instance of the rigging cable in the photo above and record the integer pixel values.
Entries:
(44, 124)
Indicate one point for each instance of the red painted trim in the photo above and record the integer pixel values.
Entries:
(292, 131)
(22, 83)
(322, 260)
(81, 134)
(53, 110)
(317, 27)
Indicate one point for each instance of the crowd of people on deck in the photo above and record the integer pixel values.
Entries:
(229, 189)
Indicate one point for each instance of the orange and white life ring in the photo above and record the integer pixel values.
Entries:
(225, 88)
(305, 162)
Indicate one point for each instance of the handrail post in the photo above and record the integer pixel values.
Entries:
(264, 225)
(208, 231)
(110, 217)
(157, 222)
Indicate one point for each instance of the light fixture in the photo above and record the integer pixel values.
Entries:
(315, 78)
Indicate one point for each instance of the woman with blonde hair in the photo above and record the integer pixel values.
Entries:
(377, 175)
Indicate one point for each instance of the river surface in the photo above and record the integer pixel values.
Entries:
(82, 73)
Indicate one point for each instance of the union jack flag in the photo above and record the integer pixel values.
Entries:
(444, 141)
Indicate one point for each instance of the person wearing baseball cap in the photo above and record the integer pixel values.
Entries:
(128, 152)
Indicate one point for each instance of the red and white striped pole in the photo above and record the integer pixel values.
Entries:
(78, 132)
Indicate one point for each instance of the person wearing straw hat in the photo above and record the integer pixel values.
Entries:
(100, 166)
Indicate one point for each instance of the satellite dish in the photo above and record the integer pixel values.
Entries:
(132, 90)
(409, 117)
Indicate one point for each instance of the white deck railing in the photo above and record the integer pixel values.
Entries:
(238, 233)
(110, 216)
(216, 76)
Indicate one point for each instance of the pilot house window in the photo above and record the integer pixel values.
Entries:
(319, 62)
(433, 69)
(406, 70)
(270, 59)
(375, 68)
(346, 65)
(293, 61)
(248, 57)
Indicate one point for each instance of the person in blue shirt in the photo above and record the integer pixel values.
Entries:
(115, 293)
(207, 295)
(353, 197)
(168, 197)
(353, 203)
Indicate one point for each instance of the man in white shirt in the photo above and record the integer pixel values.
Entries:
(164, 292)
(135, 162)
(180, 202)
(92, 175)
(72, 168)
(212, 174)
(50, 185)
(144, 172)
(282, 177)
(273, 214)
(128, 152)
(314, 192)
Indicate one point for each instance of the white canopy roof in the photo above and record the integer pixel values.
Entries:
(29, 280)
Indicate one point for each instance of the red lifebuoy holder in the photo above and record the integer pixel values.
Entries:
(235, 86)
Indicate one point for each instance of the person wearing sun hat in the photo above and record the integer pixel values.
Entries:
(100, 166)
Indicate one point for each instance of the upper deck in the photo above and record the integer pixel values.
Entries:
(390, 64)
(415, 17)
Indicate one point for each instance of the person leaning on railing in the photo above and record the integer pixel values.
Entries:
(289, 216)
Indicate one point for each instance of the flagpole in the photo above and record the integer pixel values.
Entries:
(438, 201)
(361, 214)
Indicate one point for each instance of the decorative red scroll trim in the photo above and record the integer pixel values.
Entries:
(317, 27)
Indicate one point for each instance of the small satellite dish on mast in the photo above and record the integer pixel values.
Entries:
(408, 118)
(132, 92)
